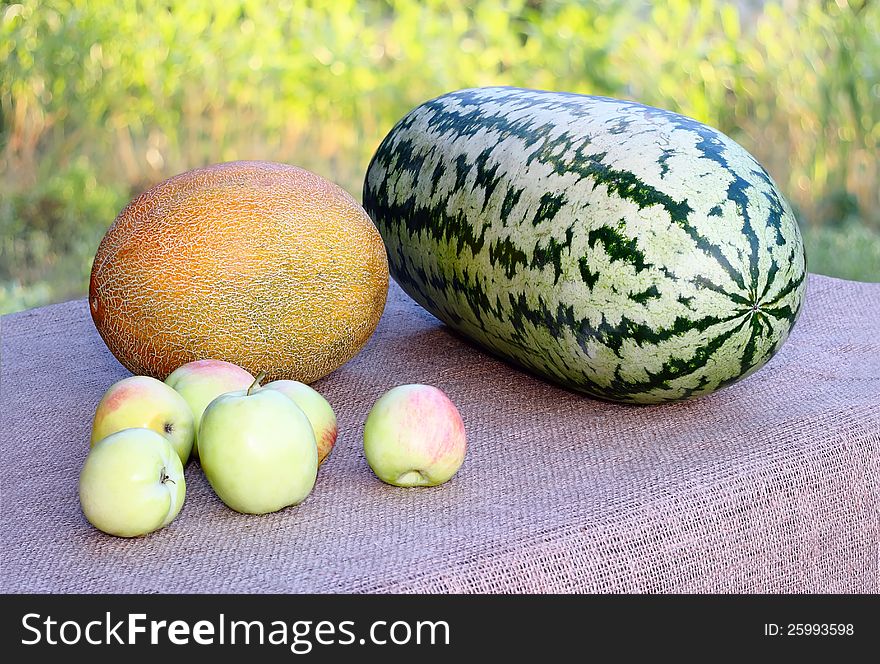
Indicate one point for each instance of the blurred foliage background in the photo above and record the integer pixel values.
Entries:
(100, 99)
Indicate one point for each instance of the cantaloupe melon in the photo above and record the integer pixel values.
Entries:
(265, 265)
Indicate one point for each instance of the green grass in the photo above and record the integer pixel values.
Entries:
(99, 99)
(851, 251)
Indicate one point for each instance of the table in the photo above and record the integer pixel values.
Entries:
(771, 485)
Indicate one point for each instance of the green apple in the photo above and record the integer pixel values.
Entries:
(141, 401)
(132, 483)
(316, 408)
(414, 436)
(202, 381)
(258, 450)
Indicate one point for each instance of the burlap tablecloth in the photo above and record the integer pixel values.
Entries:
(768, 486)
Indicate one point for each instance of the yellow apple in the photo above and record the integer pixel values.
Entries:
(141, 401)
(316, 408)
(258, 450)
(414, 436)
(132, 483)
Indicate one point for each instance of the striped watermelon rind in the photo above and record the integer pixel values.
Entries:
(623, 251)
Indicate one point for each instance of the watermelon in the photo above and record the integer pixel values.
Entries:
(622, 251)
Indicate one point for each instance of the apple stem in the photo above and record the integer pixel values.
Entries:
(256, 383)
(164, 478)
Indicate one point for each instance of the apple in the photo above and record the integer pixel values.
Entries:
(141, 401)
(414, 436)
(132, 483)
(258, 450)
(202, 381)
(316, 408)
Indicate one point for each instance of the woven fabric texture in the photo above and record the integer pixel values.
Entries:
(771, 485)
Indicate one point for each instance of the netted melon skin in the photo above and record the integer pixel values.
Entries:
(265, 265)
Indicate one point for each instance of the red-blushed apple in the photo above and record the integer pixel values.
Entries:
(132, 483)
(202, 381)
(258, 450)
(141, 401)
(316, 408)
(414, 436)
